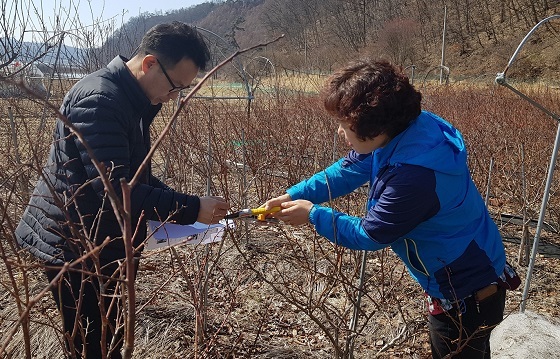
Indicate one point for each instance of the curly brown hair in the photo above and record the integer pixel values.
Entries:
(373, 97)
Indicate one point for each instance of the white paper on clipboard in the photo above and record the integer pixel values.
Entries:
(170, 234)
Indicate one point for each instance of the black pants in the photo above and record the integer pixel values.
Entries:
(66, 296)
(467, 334)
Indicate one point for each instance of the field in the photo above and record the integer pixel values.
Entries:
(278, 291)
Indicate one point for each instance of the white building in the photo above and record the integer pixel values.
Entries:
(21, 73)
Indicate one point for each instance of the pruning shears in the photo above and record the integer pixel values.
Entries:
(255, 215)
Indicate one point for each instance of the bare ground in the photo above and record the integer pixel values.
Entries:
(247, 318)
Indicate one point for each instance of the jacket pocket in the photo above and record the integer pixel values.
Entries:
(414, 258)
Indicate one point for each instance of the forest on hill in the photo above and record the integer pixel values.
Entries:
(480, 36)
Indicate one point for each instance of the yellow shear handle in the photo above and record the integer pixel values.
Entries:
(260, 211)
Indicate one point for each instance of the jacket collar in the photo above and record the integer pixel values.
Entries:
(138, 99)
(429, 141)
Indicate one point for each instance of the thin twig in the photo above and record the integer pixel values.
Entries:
(182, 104)
(31, 303)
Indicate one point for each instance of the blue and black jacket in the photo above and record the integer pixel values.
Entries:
(422, 202)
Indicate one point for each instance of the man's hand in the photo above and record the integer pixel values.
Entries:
(294, 213)
(212, 209)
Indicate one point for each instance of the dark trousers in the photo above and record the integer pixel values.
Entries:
(66, 295)
(464, 330)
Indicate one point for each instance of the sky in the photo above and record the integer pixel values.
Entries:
(110, 8)
(87, 10)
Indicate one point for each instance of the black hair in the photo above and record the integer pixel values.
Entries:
(174, 41)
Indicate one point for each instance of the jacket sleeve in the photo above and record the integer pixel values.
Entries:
(342, 229)
(341, 178)
(407, 198)
(157, 183)
(159, 203)
(106, 129)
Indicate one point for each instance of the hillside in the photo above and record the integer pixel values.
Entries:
(481, 35)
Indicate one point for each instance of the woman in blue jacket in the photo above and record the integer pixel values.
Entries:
(422, 203)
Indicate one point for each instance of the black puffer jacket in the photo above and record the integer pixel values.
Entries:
(113, 114)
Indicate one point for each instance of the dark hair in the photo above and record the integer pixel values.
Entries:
(373, 97)
(172, 42)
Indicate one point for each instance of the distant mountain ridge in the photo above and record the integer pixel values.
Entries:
(46, 53)
(321, 34)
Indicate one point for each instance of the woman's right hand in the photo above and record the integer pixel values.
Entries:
(277, 201)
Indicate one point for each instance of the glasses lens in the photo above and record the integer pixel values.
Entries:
(173, 87)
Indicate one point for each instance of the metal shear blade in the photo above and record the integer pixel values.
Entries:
(260, 221)
(252, 212)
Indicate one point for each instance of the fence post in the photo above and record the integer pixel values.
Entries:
(14, 134)
(487, 197)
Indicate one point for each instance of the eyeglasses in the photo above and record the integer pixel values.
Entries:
(173, 87)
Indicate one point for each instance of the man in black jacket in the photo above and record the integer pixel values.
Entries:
(69, 209)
